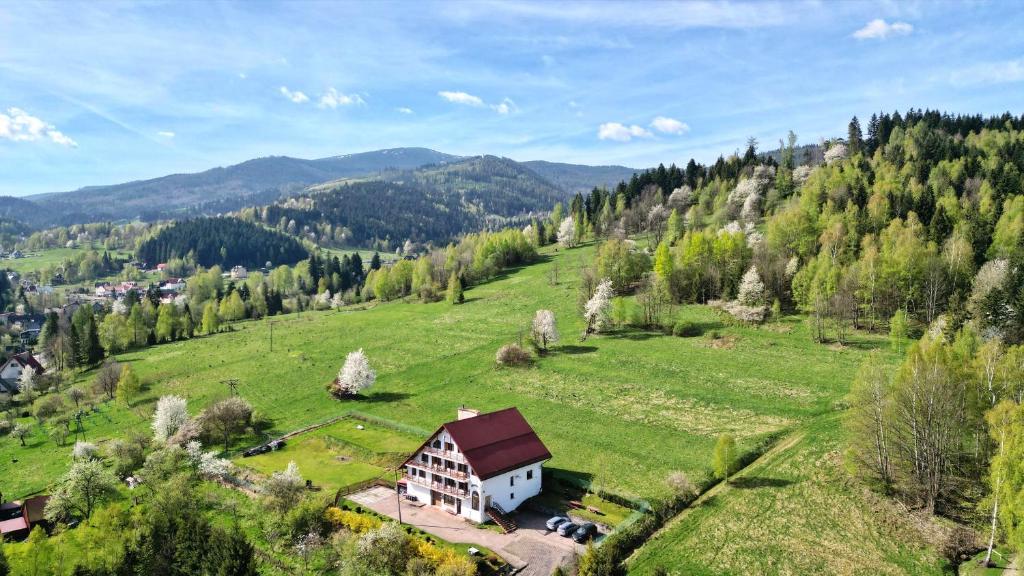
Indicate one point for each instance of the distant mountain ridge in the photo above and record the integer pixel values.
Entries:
(266, 180)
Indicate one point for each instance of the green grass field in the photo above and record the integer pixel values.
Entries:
(795, 511)
(340, 454)
(39, 259)
(622, 410)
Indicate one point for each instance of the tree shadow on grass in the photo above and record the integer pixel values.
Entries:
(639, 336)
(571, 349)
(383, 397)
(759, 482)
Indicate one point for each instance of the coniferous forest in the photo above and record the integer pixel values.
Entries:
(221, 242)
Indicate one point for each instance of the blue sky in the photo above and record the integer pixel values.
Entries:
(101, 92)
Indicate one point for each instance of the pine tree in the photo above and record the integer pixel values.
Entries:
(854, 137)
(231, 555)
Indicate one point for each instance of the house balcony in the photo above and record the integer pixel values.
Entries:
(438, 486)
(446, 454)
(449, 472)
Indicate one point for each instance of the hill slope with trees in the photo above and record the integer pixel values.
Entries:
(221, 242)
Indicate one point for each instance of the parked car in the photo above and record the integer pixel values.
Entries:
(585, 532)
(566, 528)
(553, 523)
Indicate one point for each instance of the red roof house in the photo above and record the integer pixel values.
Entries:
(478, 466)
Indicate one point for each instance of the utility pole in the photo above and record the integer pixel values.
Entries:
(398, 498)
(232, 384)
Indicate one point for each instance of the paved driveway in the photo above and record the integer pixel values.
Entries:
(531, 545)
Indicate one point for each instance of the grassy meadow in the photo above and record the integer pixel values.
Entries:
(795, 511)
(622, 410)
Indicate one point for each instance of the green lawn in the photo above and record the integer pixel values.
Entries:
(39, 259)
(795, 511)
(622, 409)
(340, 454)
(318, 460)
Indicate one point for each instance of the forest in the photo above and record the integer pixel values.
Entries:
(221, 242)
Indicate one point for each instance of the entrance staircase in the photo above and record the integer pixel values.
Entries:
(496, 513)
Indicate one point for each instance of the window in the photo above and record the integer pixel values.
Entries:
(512, 496)
(529, 474)
(449, 446)
(476, 500)
(424, 458)
(511, 480)
(436, 444)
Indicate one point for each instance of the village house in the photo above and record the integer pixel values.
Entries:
(10, 371)
(480, 466)
(18, 518)
(239, 273)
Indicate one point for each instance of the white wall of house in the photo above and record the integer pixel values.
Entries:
(510, 489)
(11, 370)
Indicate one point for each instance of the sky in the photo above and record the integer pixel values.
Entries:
(102, 92)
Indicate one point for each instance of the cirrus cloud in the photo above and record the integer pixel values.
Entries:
(165, 134)
(621, 133)
(405, 110)
(332, 99)
(20, 126)
(295, 96)
(880, 29)
(667, 125)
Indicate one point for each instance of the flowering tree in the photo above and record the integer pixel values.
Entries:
(27, 380)
(87, 484)
(836, 152)
(544, 329)
(284, 489)
(207, 463)
(83, 451)
(595, 313)
(355, 375)
(751, 292)
(171, 413)
(567, 232)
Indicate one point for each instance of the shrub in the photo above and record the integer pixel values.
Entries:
(686, 329)
(512, 355)
(351, 521)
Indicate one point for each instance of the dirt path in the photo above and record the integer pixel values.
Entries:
(750, 471)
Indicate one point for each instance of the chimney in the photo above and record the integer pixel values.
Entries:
(467, 412)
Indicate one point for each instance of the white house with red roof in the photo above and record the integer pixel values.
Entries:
(480, 466)
(10, 371)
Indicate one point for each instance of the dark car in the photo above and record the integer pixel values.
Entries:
(585, 532)
(566, 528)
(553, 523)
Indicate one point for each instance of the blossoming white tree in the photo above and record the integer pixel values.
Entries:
(284, 489)
(171, 413)
(567, 232)
(544, 329)
(119, 307)
(27, 381)
(83, 451)
(207, 463)
(836, 152)
(595, 313)
(355, 375)
(751, 291)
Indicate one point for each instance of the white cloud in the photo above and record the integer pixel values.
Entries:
(242, 75)
(881, 29)
(332, 99)
(296, 96)
(505, 107)
(405, 110)
(670, 125)
(461, 98)
(621, 132)
(20, 126)
(165, 134)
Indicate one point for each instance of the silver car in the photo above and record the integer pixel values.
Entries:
(553, 523)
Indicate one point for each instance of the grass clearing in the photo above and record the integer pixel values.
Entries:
(792, 512)
(318, 460)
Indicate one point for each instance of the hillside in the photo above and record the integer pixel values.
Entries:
(575, 178)
(221, 242)
(218, 190)
(434, 203)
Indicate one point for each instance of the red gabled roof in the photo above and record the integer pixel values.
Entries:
(497, 442)
(28, 361)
